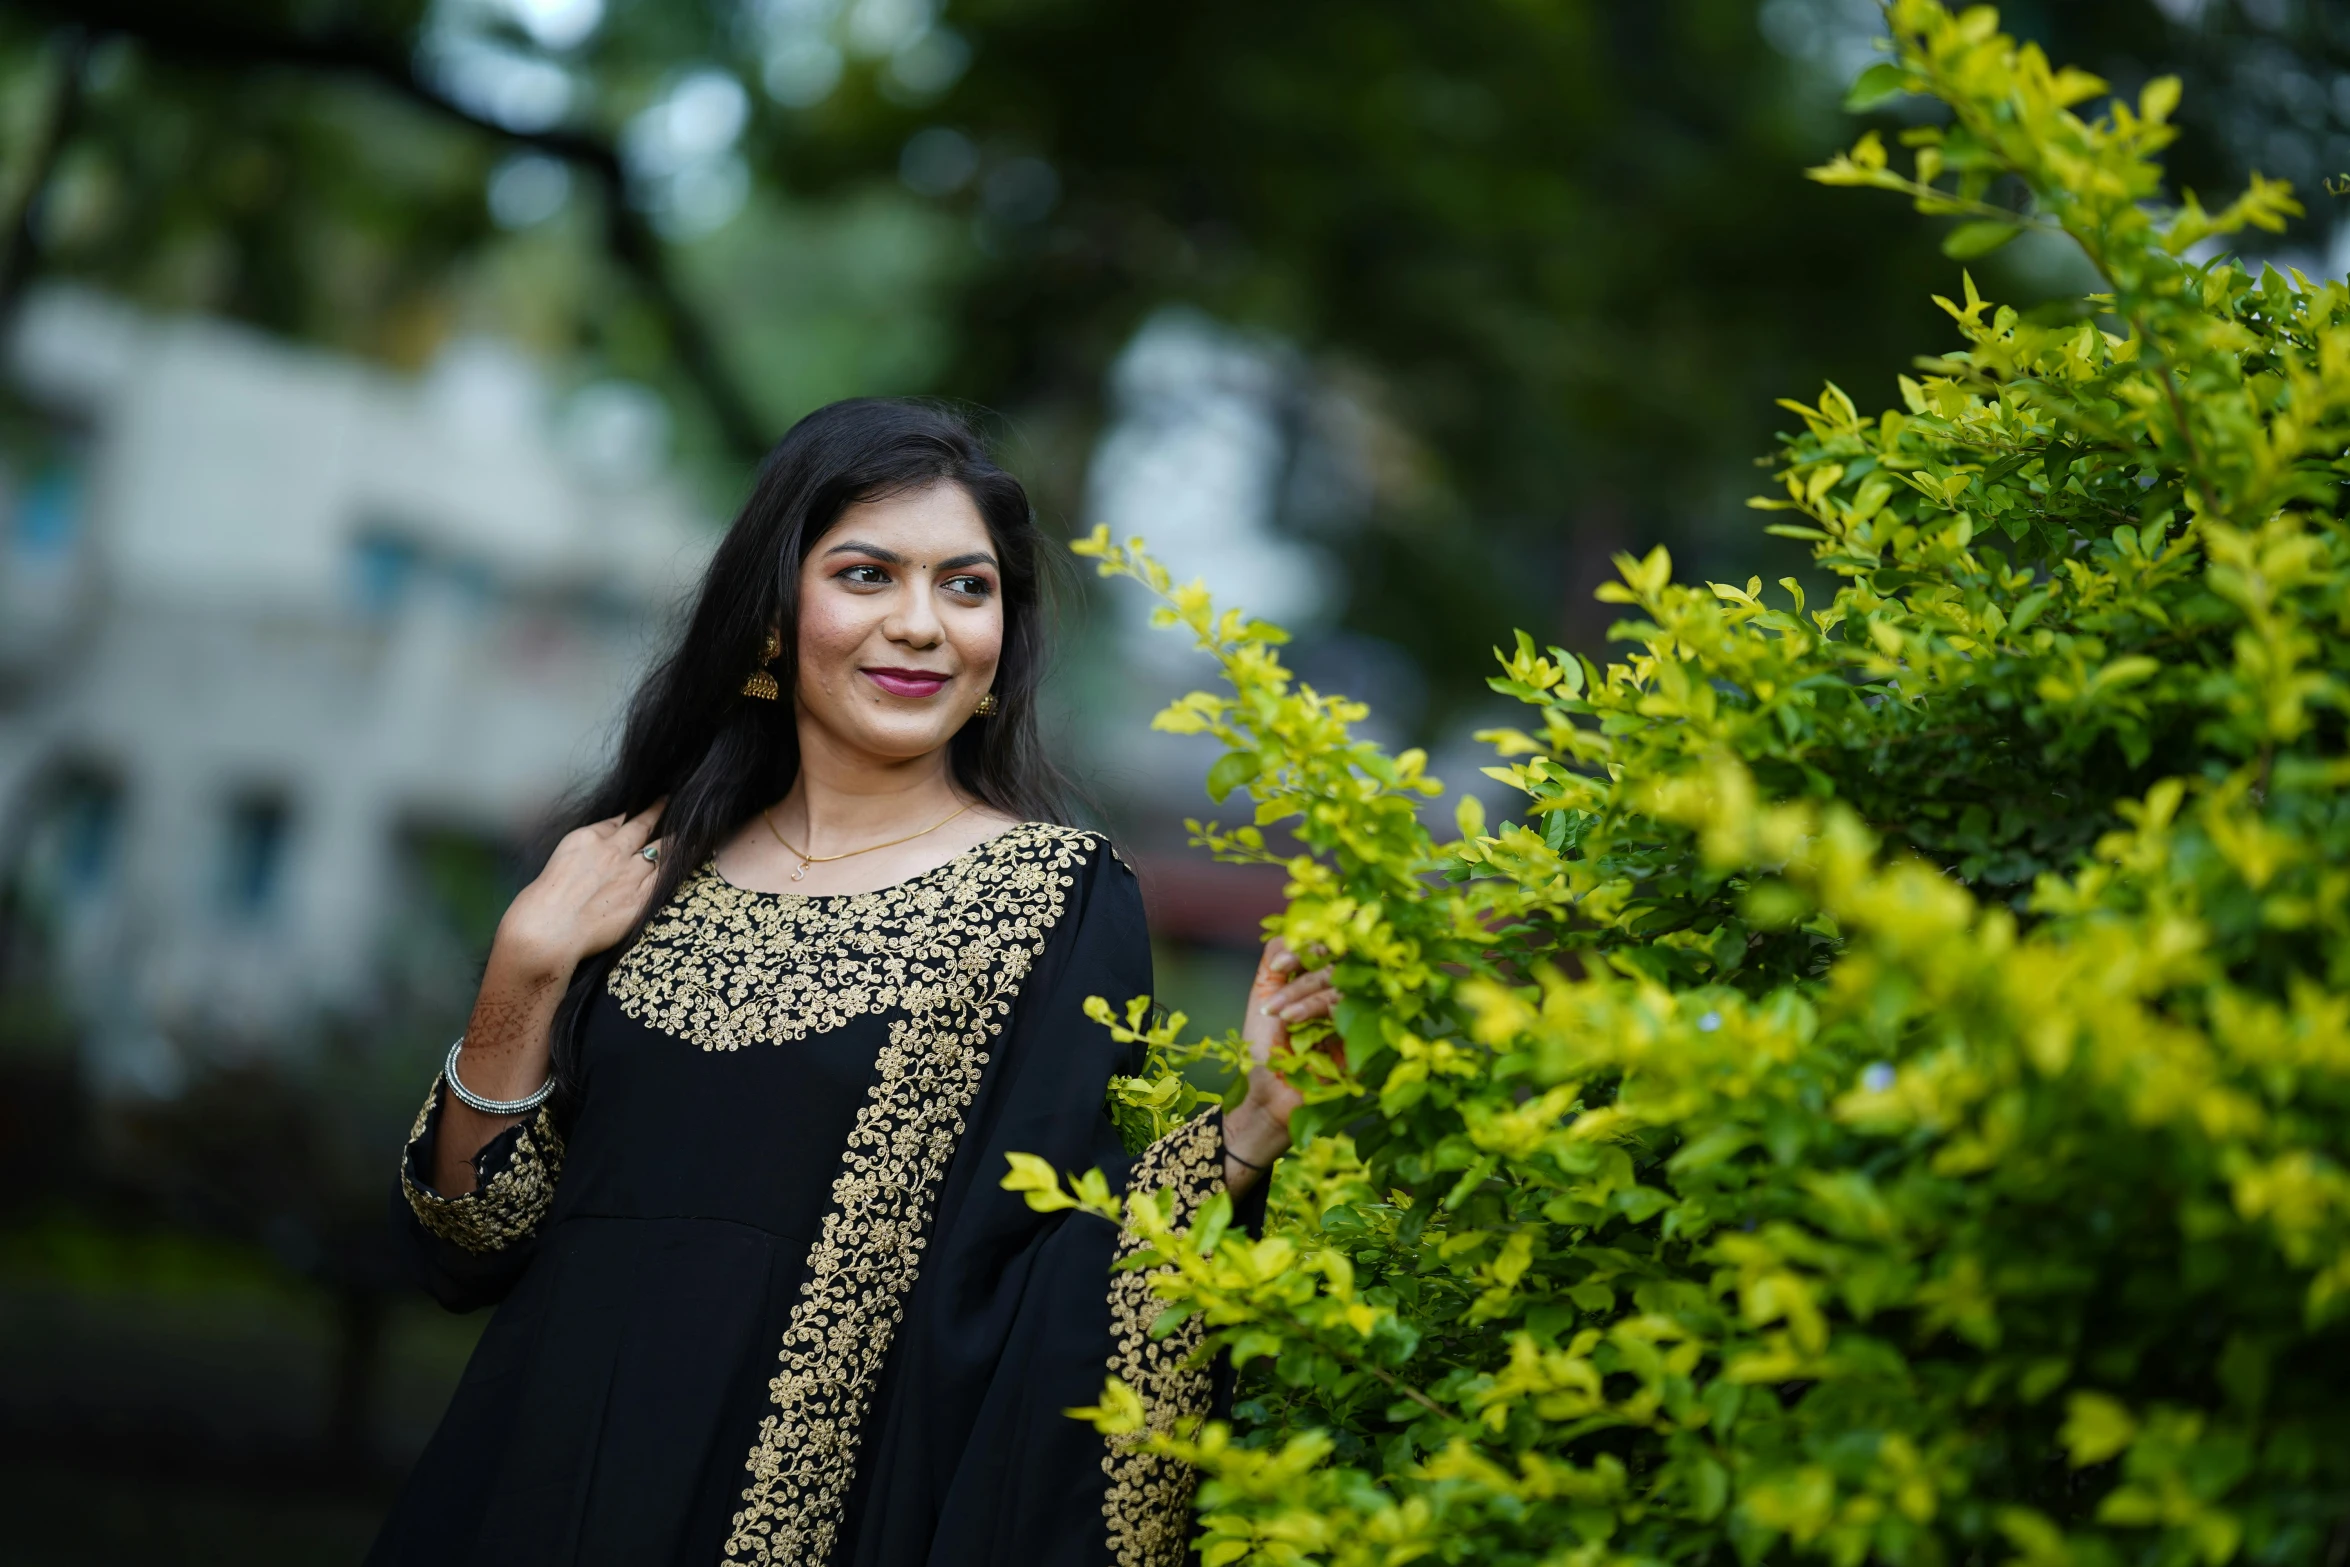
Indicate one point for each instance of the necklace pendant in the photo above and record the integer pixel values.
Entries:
(801, 874)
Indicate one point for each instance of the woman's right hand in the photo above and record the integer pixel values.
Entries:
(593, 888)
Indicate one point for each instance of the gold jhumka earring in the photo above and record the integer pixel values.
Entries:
(987, 707)
(760, 682)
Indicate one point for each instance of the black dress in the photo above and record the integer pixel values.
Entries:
(764, 1299)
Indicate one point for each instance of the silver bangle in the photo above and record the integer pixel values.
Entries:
(474, 1101)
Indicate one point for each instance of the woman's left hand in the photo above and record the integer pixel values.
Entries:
(1257, 1131)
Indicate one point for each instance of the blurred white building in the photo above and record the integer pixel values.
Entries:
(271, 617)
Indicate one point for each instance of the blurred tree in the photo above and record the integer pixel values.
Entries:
(1557, 248)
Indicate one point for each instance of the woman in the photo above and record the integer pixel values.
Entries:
(725, 1130)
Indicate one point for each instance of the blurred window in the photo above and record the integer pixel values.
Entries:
(383, 568)
(89, 830)
(253, 855)
(48, 511)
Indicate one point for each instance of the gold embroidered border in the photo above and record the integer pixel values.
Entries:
(961, 944)
(497, 1212)
(727, 967)
(1148, 1505)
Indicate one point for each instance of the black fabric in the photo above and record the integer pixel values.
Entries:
(608, 1411)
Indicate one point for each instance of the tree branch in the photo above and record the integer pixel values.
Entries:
(183, 34)
(20, 248)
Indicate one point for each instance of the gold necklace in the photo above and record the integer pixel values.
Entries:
(807, 859)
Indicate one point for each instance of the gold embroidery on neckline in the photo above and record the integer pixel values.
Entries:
(727, 967)
(1148, 1504)
(948, 952)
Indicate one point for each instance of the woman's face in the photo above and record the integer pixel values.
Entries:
(901, 623)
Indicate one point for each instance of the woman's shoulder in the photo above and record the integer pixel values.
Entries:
(1079, 864)
(1012, 836)
(1057, 846)
(1045, 875)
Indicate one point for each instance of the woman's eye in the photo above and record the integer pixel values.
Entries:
(969, 587)
(865, 576)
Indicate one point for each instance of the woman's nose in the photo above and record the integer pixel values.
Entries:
(912, 620)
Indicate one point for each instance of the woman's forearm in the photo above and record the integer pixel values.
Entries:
(508, 1053)
(1253, 1139)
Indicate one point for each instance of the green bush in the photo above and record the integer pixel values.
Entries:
(1888, 1099)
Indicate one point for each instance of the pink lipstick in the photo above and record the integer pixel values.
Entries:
(908, 682)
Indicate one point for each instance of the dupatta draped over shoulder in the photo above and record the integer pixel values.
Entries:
(761, 1296)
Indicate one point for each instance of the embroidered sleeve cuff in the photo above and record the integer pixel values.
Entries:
(1147, 1508)
(1189, 1161)
(513, 1181)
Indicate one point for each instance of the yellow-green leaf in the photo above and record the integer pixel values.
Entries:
(1037, 1182)
(2095, 1428)
(1979, 238)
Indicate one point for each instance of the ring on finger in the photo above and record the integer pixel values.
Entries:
(650, 853)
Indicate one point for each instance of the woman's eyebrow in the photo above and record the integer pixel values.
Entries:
(892, 557)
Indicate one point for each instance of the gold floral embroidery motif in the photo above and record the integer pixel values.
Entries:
(497, 1212)
(949, 952)
(1148, 1506)
(727, 967)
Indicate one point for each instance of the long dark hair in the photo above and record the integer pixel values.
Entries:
(719, 756)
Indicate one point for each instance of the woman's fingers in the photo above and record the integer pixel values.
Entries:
(1281, 996)
(1277, 969)
(1273, 968)
(1290, 994)
(1286, 1007)
(1316, 1005)
(1298, 991)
